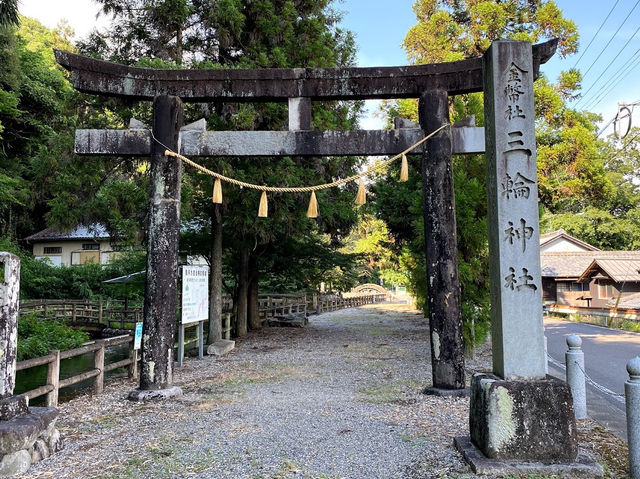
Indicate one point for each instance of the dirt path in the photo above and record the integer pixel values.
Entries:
(338, 399)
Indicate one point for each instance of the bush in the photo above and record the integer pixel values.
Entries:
(36, 337)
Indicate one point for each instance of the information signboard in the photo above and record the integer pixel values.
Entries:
(195, 294)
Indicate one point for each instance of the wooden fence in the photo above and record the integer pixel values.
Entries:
(52, 361)
(100, 313)
(79, 311)
(116, 314)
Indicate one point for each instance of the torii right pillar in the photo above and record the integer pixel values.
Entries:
(518, 413)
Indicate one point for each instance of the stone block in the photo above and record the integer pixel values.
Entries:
(13, 406)
(220, 347)
(441, 392)
(289, 321)
(55, 442)
(154, 394)
(40, 451)
(48, 415)
(15, 463)
(523, 420)
(584, 466)
(20, 433)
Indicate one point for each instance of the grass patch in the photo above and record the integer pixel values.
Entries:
(612, 451)
(373, 351)
(390, 393)
(164, 460)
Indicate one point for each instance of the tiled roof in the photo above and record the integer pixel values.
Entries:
(572, 264)
(92, 232)
(628, 302)
(618, 269)
(551, 237)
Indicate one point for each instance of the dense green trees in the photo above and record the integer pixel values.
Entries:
(268, 33)
(572, 176)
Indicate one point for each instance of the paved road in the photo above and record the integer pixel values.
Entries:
(606, 352)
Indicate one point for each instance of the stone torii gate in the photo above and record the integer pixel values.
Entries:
(506, 74)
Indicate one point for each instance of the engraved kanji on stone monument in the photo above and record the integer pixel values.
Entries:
(513, 216)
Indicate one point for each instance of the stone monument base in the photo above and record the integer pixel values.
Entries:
(530, 421)
(151, 394)
(583, 466)
(441, 392)
(28, 438)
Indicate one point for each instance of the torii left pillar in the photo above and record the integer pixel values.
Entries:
(163, 232)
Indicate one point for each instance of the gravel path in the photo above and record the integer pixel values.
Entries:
(338, 399)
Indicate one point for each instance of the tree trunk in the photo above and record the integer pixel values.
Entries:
(215, 278)
(253, 310)
(243, 289)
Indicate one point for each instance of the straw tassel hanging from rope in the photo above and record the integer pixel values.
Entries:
(404, 169)
(217, 191)
(312, 212)
(361, 197)
(263, 209)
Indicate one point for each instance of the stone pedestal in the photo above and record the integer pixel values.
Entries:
(523, 420)
(28, 438)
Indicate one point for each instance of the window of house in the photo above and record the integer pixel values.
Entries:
(563, 286)
(579, 287)
(91, 247)
(53, 250)
(606, 290)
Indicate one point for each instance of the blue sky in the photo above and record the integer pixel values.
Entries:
(380, 26)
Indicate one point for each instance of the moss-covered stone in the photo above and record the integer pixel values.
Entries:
(523, 420)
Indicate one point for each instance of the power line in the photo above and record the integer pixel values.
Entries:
(620, 151)
(594, 37)
(595, 101)
(607, 86)
(611, 39)
(610, 63)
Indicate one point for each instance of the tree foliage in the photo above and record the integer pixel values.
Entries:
(248, 34)
(449, 30)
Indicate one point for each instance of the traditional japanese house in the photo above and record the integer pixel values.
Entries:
(83, 244)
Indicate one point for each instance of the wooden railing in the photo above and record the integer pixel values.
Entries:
(114, 314)
(52, 361)
(332, 303)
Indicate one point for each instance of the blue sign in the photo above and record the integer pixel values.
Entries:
(137, 340)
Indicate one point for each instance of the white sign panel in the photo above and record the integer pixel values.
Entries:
(195, 294)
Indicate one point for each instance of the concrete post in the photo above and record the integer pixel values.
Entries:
(574, 358)
(9, 303)
(632, 399)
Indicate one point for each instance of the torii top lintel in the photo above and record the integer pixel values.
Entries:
(278, 84)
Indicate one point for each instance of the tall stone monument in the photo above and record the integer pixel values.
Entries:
(517, 413)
